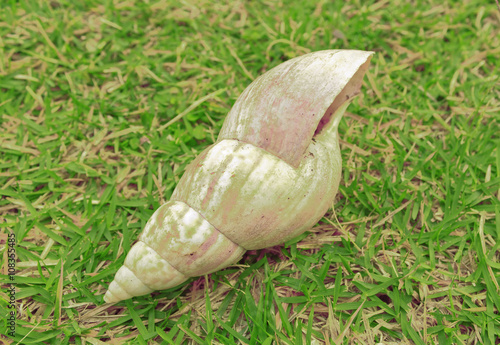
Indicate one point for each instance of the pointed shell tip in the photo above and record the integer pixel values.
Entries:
(110, 298)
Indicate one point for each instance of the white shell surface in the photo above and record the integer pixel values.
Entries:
(125, 285)
(151, 269)
(244, 191)
(187, 241)
(272, 174)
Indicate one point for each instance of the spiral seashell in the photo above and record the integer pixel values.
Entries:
(272, 174)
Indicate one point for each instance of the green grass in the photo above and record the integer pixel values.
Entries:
(91, 144)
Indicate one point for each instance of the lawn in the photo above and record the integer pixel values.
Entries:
(104, 103)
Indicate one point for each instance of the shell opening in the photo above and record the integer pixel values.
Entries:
(332, 116)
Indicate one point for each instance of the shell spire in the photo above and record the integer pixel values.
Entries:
(272, 174)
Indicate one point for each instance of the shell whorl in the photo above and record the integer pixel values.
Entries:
(280, 111)
(272, 174)
(246, 191)
(177, 243)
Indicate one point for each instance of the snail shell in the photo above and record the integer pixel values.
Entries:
(272, 174)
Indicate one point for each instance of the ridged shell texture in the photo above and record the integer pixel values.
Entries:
(272, 174)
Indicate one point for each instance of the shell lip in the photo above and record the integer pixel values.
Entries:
(334, 113)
